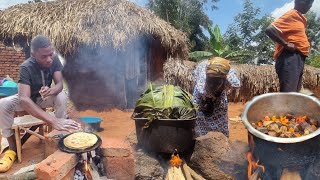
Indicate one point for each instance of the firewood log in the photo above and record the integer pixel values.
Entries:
(186, 172)
(194, 174)
(175, 173)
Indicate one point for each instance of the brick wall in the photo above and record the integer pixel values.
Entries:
(10, 60)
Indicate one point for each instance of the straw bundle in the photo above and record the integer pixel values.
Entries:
(179, 73)
(101, 23)
(255, 80)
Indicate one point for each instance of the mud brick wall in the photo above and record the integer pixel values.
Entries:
(10, 60)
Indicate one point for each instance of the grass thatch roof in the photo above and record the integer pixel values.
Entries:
(255, 80)
(70, 23)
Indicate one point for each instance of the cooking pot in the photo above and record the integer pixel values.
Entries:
(276, 153)
(276, 104)
(166, 135)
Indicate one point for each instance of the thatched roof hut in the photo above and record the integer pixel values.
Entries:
(255, 80)
(97, 22)
(112, 47)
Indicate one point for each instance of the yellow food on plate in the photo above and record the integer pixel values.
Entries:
(80, 140)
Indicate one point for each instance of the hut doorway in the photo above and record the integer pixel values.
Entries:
(100, 77)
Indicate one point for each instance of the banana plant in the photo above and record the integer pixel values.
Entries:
(219, 48)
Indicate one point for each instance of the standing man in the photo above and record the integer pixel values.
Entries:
(34, 93)
(292, 45)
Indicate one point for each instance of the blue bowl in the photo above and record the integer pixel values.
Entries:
(8, 91)
(91, 124)
(89, 119)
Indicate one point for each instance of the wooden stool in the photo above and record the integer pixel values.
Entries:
(24, 123)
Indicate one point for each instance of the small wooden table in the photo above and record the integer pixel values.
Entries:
(24, 123)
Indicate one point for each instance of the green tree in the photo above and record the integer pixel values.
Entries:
(247, 33)
(186, 15)
(263, 45)
(247, 22)
(315, 61)
(313, 32)
(219, 48)
(34, 1)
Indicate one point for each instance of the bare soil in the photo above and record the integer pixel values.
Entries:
(118, 125)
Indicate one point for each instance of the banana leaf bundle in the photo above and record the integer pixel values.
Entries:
(164, 102)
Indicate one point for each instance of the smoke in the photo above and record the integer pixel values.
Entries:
(100, 78)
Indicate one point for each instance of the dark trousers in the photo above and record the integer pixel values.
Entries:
(289, 67)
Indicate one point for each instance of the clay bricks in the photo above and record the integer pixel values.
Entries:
(115, 148)
(56, 167)
(10, 59)
(51, 143)
(118, 159)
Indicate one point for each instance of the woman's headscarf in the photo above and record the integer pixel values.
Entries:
(218, 67)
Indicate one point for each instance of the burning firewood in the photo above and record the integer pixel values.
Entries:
(175, 173)
(179, 170)
(194, 175)
(186, 171)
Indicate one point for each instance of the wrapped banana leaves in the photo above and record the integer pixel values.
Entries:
(164, 102)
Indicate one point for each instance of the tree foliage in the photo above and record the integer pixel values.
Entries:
(219, 48)
(186, 15)
(313, 32)
(34, 1)
(247, 32)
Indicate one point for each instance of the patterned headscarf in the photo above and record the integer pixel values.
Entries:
(218, 67)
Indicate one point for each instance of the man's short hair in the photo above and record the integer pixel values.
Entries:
(38, 42)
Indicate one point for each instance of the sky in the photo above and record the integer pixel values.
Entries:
(228, 9)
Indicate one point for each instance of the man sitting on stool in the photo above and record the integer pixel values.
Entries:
(34, 93)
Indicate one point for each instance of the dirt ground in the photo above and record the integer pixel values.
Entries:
(117, 124)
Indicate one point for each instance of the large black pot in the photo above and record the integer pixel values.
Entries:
(165, 135)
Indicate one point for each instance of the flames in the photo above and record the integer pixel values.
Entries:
(87, 171)
(179, 170)
(253, 166)
(175, 161)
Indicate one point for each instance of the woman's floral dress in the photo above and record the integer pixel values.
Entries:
(219, 120)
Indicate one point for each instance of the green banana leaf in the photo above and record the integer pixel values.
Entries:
(200, 54)
(164, 102)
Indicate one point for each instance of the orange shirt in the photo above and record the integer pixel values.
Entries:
(292, 26)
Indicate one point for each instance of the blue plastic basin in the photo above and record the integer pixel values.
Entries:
(89, 119)
(8, 91)
(91, 124)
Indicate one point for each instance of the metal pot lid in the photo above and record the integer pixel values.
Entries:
(64, 148)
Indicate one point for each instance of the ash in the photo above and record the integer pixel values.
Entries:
(78, 175)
